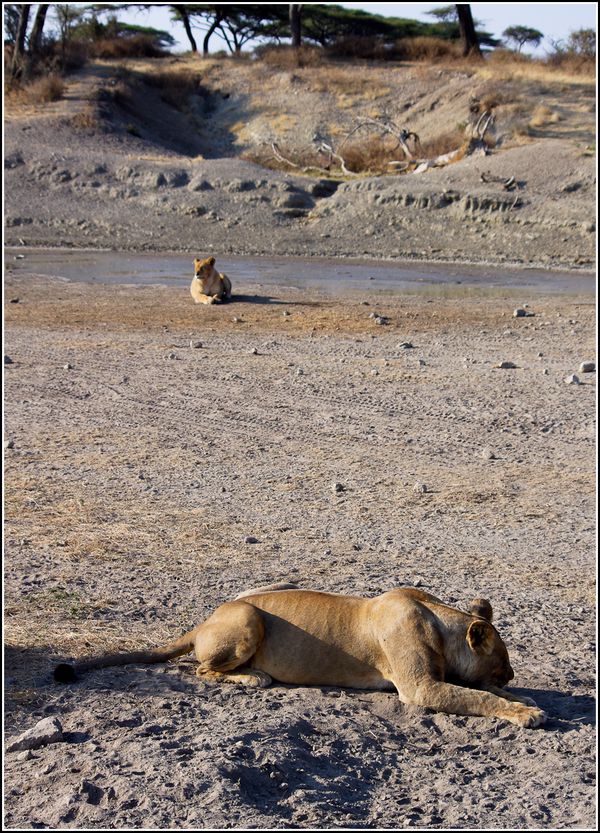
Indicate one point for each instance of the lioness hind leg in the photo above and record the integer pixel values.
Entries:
(228, 640)
(242, 676)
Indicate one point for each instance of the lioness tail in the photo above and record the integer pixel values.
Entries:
(67, 672)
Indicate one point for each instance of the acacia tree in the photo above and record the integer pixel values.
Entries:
(520, 35)
(181, 12)
(467, 31)
(296, 24)
(20, 35)
(35, 38)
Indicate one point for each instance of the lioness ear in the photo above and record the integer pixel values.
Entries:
(211, 261)
(481, 608)
(480, 637)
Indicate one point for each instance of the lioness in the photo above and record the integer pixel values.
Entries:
(208, 285)
(433, 655)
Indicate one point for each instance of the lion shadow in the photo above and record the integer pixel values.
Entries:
(565, 711)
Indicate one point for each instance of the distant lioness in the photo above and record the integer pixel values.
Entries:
(208, 285)
(433, 655)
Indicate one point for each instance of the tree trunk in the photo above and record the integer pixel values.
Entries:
(19, 49)
(296, 24)
(185, 19)
(467, 30)
(35, 38)
(214, 25)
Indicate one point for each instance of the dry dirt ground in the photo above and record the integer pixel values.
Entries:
(139, 465)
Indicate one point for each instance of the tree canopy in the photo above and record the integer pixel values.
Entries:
(520, 35)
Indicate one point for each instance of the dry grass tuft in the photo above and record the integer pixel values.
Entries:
(544, 115)
(287, 58)
(40, 91)
(176, 87)
(427, 49)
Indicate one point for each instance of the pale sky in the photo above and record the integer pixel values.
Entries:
(555, 20)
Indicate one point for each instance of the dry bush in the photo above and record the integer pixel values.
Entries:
(86, 119)
(444, 143)
(573, 64)
(138, 46)
(366, 48)
(43, 90)
(371, 154)
(427, 49)
(287, 58)
(543, 115)
(176, 87)
(507, 56)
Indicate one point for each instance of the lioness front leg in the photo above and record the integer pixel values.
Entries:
(454, 699)
(509, 695)
(204, 299)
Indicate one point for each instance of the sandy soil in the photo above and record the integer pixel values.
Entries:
(138, 467)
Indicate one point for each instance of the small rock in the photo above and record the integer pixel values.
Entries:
(488, 454)
(418, 582)
(254, 352)
(19, 257)
(195, 345)
(250, 539)
(25, 756)
(14, 300)
(9, 443)
(285, 314)
(382, 320)
(172, 356)
(545, 371)
(419, 488)
(236, 320)
(48, 730)
(422, 363)
(8, 360)
(519, 313)
(299, 372)
(506, 365)
(338, 487)
(587, 367)
(68, 366)
(572, 380)
(406, 345)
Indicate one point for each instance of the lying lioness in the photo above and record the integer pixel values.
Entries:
(433, 655)
(208, 285)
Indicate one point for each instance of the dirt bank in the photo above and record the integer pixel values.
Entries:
(118, 164)
(137, 467)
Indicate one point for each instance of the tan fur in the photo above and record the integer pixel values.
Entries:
(432, 654)
(209, 286)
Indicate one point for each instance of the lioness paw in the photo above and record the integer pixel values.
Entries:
(529, 717)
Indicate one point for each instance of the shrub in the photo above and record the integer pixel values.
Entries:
(365, 48)
(426, 49)
(41, 90)
(287, 58)
(176, 87)
(136, 46)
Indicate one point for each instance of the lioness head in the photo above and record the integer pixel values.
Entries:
(489, 662)
(203, 268)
